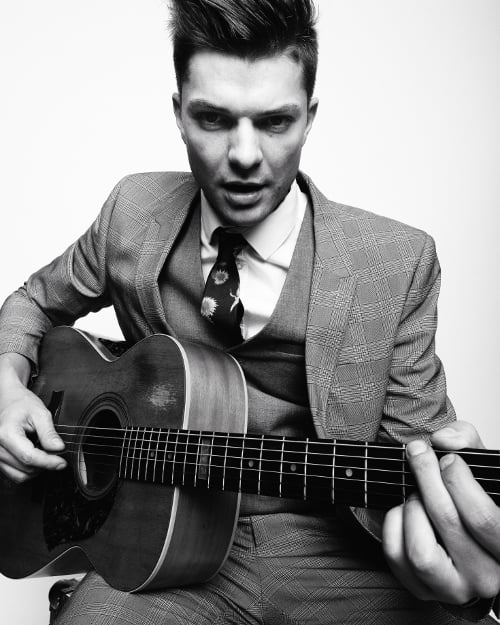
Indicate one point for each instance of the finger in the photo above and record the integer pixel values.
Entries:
(427, 559)
(14, 474)
(477, 510)
(27, 455)
(457, 435)
(393, 544)
(436, 499)
(478, 571)
(42, 423)
(8, 460)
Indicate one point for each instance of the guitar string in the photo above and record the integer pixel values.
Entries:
(147, 450)
(258, 438)
(177, 464)
(245, 449)
(193, 479)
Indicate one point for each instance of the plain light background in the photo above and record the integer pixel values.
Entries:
(408, 127)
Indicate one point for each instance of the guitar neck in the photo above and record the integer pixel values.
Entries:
(360, 474)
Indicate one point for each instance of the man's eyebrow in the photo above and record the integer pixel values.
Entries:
(201, 104)
(285, 109)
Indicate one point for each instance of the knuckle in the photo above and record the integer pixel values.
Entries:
(486, 585)
(392, 551)
(21, 478)
(485, 520)
(15, 477)
(460, 596)
(449, 517)
(423, 560)
(26, 457)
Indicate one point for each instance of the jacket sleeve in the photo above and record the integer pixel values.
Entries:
(68, 288)
(416, 403)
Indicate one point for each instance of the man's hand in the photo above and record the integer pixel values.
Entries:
(444, 543)
(23, 421)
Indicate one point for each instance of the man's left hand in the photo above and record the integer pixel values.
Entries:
(444, 543)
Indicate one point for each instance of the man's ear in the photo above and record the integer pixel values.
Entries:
(176, 103)
(311, 114)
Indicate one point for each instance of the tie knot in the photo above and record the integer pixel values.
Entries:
(230, 243)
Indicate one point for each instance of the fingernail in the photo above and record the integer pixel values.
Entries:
(446, 461)
(415, 448)
(60, 466)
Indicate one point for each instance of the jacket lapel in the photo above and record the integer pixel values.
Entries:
(168, 215)
(332, 291)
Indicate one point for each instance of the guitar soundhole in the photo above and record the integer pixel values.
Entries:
(99, 453)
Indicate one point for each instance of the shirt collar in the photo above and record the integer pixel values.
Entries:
(268, 235)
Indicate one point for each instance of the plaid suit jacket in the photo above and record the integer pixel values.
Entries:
(372, 371)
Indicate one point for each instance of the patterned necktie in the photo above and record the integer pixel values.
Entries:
(221, 299)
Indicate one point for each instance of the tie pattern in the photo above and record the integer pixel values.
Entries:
(221, 303)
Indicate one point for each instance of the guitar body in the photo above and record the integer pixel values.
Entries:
(137, 535)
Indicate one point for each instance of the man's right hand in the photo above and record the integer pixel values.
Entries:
(28, 440)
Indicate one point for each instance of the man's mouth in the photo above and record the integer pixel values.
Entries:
(243, 193)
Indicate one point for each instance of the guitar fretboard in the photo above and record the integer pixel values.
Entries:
(333, 471)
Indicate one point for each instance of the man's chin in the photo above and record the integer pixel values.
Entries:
(243, 216)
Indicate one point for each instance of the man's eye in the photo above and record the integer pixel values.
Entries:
(278, 123)
(211, 120)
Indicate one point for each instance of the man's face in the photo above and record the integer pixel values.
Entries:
(244, 124)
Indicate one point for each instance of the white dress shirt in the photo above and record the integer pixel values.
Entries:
(264, 263)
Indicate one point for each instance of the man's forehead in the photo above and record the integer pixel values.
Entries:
(224, 79)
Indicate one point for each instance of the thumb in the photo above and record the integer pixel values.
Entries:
(457, 435)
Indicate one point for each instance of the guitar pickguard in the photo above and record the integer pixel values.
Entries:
(69, 516)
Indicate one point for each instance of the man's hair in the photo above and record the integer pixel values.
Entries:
(249, 29)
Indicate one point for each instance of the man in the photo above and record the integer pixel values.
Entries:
(333, 314)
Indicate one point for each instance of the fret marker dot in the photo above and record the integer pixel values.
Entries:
(152, 454)
(251, 463)
(348, 472)
(170, 456)
(293, 468)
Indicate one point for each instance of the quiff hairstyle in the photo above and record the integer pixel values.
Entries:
(250, 29)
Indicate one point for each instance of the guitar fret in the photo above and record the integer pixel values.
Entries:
(127, 454)
(225, 464)
(333, 470)
(403, 468)
(240, 480)
(198, 459)
(148, 456)
(366, 475)
(141, 452)
(124, 454)
(250, 464)
(260, 464)
(319, 474)
(281, 467)
(386, 483)
(305, 469)
(174, 458)
(134, 454)
(210, 460)
(158, 432)
(293, 468)
(165, 456)
(184, 459)
(271, 461)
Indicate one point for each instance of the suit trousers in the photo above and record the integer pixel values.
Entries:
(283, 569)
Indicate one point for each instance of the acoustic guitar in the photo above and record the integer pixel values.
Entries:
(157, 458)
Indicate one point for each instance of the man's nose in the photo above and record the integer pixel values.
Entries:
(244, 148)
